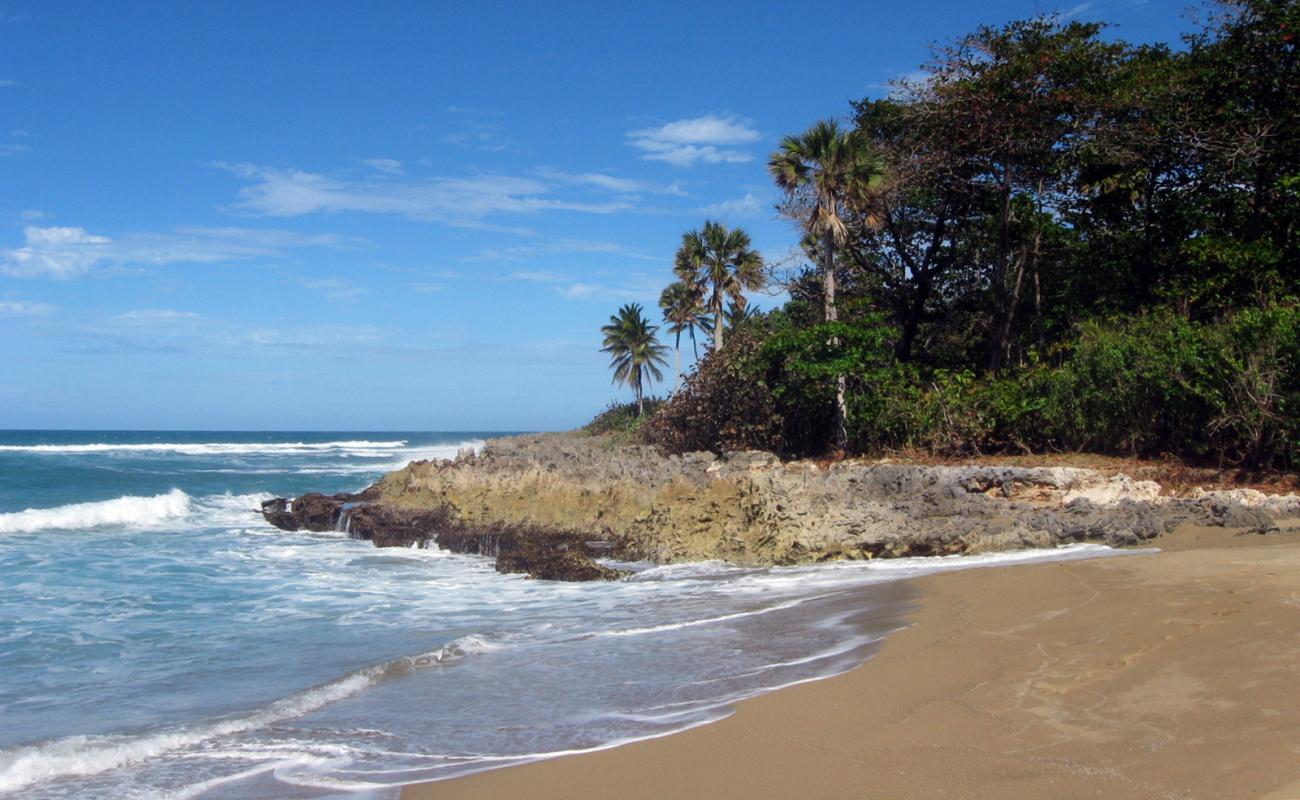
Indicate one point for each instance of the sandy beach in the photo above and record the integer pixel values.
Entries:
(1171, 675)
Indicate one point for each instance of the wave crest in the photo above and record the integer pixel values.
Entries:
(126, 510)
(360, 446)
(87, 755)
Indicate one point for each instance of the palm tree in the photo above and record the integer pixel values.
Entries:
(736, 314)
(684, 311)
(830, 169)
(721, 264)
(635, 352)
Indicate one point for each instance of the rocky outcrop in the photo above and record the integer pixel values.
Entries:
(751, 508)
(541, 553)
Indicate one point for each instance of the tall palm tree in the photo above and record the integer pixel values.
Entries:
(635, 352)
(721, 264)
(829, 168)
(684, 311)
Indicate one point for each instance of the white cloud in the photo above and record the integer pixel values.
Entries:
(1081, 8)
(388, 166)
(24, 308)
(170, 330)
(69, 252)
(537, 276)
(595, 180)
(336, 290)
(10, 150)
(747, 206)
(54, 252)
(710, 138)
(525, 252)
(155, 317)
(468, 201)
(578, 290)
(31, 214)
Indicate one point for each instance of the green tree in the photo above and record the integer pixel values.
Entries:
(635, 352)
(721, 264)
(831, 169)
(736, 315)
(684, 311)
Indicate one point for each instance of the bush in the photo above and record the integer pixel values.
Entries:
(724, 405)
(1226, 391)
(621, 418)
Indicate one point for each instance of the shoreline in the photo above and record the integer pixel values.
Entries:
(1166, 675)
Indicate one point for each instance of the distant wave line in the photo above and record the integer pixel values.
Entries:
(209, 448)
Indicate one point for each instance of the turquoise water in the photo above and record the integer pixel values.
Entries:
(158, 639)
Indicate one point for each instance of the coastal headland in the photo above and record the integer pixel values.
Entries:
(1169, 674)
(537, 497)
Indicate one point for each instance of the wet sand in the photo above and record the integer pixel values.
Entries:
(1174, 675)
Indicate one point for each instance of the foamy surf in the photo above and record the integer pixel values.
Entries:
(127, 511)
(359, 447)
(79, 756)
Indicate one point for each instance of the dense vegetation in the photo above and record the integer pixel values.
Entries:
(1053, 241)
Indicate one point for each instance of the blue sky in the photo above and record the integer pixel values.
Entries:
(328, 215)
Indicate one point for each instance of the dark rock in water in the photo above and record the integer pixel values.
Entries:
(540, 552)
(278, 514)
(319, 512)
(387, 526)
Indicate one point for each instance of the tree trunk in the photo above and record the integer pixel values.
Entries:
(997, 345)
(717, 327)
(839, 435)
(640, 402)
(677, 362)
(903, 350)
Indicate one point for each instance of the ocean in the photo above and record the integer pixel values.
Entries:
(159, 639)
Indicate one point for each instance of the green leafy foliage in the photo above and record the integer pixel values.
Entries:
(1056, 241)
(621, 419)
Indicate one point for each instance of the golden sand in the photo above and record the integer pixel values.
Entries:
(1175, 675)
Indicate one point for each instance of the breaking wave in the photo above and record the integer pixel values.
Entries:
(128, 510)
(75, 756)
(358, 447)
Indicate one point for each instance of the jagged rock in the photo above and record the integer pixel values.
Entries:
(750, 508)
(541, 553)
(278, 514)
(318, 512)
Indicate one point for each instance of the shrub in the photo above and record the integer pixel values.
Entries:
(724, 405)
(1147, 385)
(621, 418)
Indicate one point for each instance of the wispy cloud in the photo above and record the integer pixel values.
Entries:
(175, 331)
(741, 207)
(388, 166)
(562, 245)
(24, 308)
(711, 139)
(337, 290)
(11, 149)
(70, 252)
(467, 201)
(1081, 8)
(6, 83)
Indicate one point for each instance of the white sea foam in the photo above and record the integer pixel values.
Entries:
(75, 756)
(127, 510)
(358, 447)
